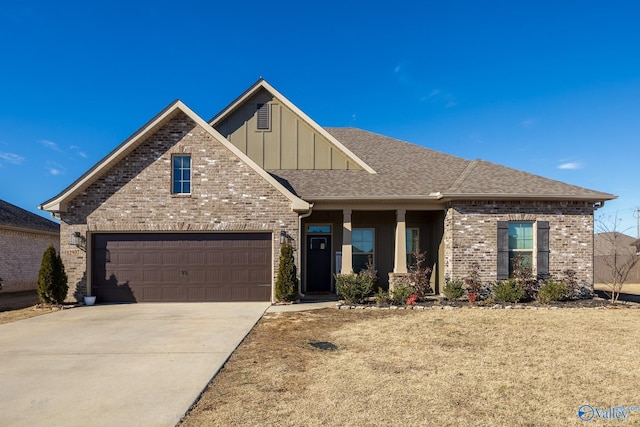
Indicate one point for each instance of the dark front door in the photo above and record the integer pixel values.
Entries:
(318, 263)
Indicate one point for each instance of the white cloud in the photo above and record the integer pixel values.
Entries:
(78, 151)
(527, 123)
(51, 145)
(11, 158)
(55, 168)
(570, 165)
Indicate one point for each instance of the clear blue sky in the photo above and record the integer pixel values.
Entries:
(549, 87)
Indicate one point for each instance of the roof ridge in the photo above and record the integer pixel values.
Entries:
(463, 176)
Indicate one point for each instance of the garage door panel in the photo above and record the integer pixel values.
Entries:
(181, 267)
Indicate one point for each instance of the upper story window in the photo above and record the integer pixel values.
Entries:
(181, 175)
(264, 123)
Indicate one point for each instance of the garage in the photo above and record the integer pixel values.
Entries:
(181, 267)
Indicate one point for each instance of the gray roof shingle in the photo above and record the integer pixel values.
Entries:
(13, 216)
(406, 170)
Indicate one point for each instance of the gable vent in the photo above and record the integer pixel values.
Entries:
(263, 116)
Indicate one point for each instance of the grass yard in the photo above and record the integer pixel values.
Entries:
(434, 367)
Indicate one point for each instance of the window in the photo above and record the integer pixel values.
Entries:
(181, 175)
(263, 116)
(413, 244)
(319, 229)
(529, 239)
(362, 244)
(520, 243)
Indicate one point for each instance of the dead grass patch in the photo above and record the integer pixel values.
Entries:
(434, 367)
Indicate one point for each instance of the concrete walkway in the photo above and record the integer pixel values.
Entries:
(133, 364)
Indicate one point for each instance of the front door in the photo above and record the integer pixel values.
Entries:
(318, 263)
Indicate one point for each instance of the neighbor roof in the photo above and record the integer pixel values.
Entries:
(14, 217)
(409, 171)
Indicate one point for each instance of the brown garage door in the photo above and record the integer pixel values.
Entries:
(182, 267)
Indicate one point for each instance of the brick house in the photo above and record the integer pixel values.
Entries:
(190, 210)
(24, 236)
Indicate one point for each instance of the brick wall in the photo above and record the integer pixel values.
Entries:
(135, 195)
(471, 236)
(20, 257)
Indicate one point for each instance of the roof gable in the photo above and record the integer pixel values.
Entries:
(293, 140)
(59, 202)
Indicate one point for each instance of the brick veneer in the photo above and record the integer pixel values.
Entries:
(20, 257)
(470, 235)
(135, 196)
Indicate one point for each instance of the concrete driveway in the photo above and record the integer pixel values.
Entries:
(106, 365)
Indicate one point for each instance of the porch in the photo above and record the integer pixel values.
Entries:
(342, 240)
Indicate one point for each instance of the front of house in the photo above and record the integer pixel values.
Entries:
(189, 210)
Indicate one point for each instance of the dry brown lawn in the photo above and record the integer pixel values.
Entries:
(434, 367)
(16, 306)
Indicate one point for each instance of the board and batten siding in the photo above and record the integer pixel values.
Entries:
(288, 143)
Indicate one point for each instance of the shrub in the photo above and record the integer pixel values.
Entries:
(369, 276)
(509, 291)
(570, 283)
(381, 297)
(524, 277)
(287, 282)
(472, 283)
(411, 299)
(400, 293)
(52, 279)
(453, 289)
(419, 275)
(551, 291)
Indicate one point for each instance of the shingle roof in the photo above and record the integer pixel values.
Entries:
(13, 216)
(406, 170)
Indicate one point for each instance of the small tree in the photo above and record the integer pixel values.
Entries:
(419, 275)
(287, 283)
(52, 278)
(616, 255)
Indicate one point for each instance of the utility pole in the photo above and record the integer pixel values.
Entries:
(636, 214)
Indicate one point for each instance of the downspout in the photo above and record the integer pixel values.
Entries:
(300, 243)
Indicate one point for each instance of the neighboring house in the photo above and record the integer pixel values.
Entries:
(625, 247)
(24, 236)
(189, 210)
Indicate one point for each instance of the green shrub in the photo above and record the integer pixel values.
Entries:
(453, 289)
(52, 279)
(381, 297)
(509, 291)
(400, 293)
(354, 288)
(551, 291)
(287, 282)
(351, 289)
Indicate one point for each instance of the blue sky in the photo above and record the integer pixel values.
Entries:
(552, 88)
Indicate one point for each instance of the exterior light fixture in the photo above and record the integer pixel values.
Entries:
(283, 236)
(78, 240)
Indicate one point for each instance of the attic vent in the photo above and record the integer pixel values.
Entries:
(263, 116)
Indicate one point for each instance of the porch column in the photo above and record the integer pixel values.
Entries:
(347, 250)
(400, 264)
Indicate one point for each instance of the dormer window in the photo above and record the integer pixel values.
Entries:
(264, 121)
